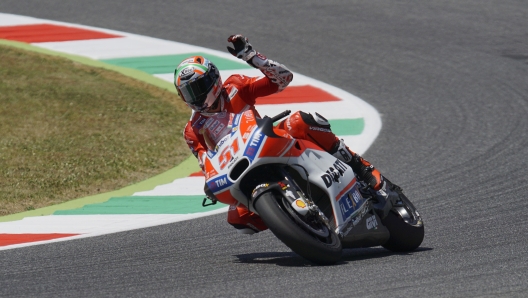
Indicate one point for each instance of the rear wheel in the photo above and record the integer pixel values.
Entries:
(308, 236)
(405, 226)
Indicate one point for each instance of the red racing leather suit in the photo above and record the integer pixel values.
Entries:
(242, 92)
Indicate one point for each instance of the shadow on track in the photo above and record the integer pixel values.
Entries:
(291, 259)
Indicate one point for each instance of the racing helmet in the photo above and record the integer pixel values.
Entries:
(198, 82)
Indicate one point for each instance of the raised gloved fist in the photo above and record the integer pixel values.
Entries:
(242, 48)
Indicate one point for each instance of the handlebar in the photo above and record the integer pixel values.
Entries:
(280, 116)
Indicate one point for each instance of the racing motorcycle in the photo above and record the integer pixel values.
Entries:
(310, 200)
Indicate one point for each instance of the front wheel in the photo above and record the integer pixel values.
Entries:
(308, 237)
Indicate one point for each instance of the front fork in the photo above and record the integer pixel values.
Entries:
(293, 195)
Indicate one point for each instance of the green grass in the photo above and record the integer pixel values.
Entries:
(68, 130)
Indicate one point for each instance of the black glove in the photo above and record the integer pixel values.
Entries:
(242, 48)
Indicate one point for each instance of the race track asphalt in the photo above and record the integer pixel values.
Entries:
(450, 79)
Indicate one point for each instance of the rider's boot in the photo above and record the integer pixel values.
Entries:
(243, 220)
(365, 171)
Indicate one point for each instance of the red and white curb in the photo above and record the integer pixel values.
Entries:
(67, 227)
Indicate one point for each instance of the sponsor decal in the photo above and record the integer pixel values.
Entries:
(188, 60)
(282, 185)
(354, 203)
(211, 153)
(187, 73)
(217, 126)
(250, 152)
(222, 141)
(263, 185)
(199, 122)
(300, 206)
(320, 129)
(232, 92)
(254, 144)
(353, 221)
(232, 162)
(372, 223)
(219, 183)
(334, 173)
(288, 193)
(219, 129)
(356, 196)
(211, 123)
(350, 202)
(248, 118)
(261, 57)
(300, 203)
(236, 119)
(256, 140)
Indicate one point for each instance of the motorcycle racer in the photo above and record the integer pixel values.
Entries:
(198, 83)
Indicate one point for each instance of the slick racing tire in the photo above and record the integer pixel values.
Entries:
(311, 239)
(405, 226)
